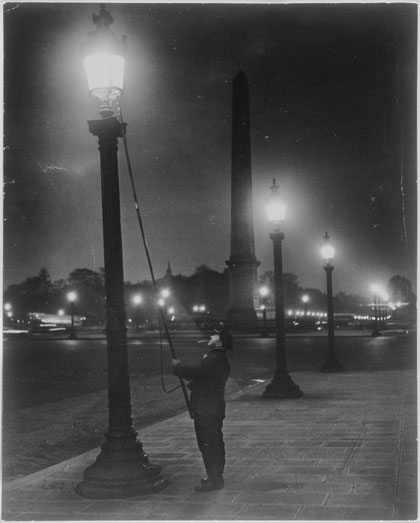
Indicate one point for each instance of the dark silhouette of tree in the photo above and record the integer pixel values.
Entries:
(90, 289)
(400, 290)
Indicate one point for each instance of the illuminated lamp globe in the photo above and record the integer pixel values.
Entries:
(71, 296)
(327, 249)
(104, 61)
(264, 291)
(276, 211)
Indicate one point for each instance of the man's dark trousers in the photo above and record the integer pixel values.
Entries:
(208, 430)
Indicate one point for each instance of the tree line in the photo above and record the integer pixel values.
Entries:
(204, 288)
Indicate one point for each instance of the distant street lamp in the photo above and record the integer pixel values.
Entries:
(282, 385)
(165, 293)
(327, 253)
(376, 291)
(137, 299)
(122, 469)
(305, 300)
(264, 293)
(71, 298)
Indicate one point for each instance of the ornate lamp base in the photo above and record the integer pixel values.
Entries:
(282, 387)
(121, 473)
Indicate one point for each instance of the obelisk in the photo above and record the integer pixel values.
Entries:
(242, 262)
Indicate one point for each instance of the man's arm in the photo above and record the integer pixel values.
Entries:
(204, 369)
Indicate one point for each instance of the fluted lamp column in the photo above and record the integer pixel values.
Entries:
(282, 385)
(122, 469)
(327, 252)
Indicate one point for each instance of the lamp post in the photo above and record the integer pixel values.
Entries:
(282, 385)
(137, 299)
(305, 300)
(376, 291)
(122, 469)
(71, 298)
(327, 252)
(264, 293)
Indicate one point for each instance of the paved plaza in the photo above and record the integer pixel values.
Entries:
(346, 450)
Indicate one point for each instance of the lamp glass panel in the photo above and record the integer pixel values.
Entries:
(276, 211)
(104, 71)
(327, 251)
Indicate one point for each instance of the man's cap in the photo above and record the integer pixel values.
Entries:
(226, 338)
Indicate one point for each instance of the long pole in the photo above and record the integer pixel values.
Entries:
(282, 385)
(122, 469)
(332, 364)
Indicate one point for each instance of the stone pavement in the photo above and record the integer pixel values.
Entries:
(346, 450)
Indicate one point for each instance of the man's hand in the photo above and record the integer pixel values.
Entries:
(176, 362)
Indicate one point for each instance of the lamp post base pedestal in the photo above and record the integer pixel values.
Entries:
(332, 365)
(121, 473)
(282, 387)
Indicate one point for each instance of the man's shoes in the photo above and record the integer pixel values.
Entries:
(208, 485)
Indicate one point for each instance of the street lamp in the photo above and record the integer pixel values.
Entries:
(264, 293)
(122, 469)
(71, 298)
(137, 299)
(305, 300)
(376, 290)
(327, 253)
(165, 293)
(282, 385)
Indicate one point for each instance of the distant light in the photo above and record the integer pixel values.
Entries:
(71, 296)
(264, 290)
(161, 302)
(262, 307)
(165, 293)
(7, 306)
(171, 310)
(61, 312)
(305, 298)
(202, 308)
(137, 299)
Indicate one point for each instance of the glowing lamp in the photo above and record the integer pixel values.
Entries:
(104, 60)
(137, 299)
(264, 291)
(305, 298)
(276, 210)
(71, 296)
(327, 249)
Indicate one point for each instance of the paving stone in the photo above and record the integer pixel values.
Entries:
(360, 500)
(346, 513)
(264, 511)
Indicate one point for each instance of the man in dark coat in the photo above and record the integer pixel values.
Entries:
(207, 387)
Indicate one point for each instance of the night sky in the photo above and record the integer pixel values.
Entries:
(333, 119)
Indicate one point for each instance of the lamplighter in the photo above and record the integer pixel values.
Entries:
(282, 385)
